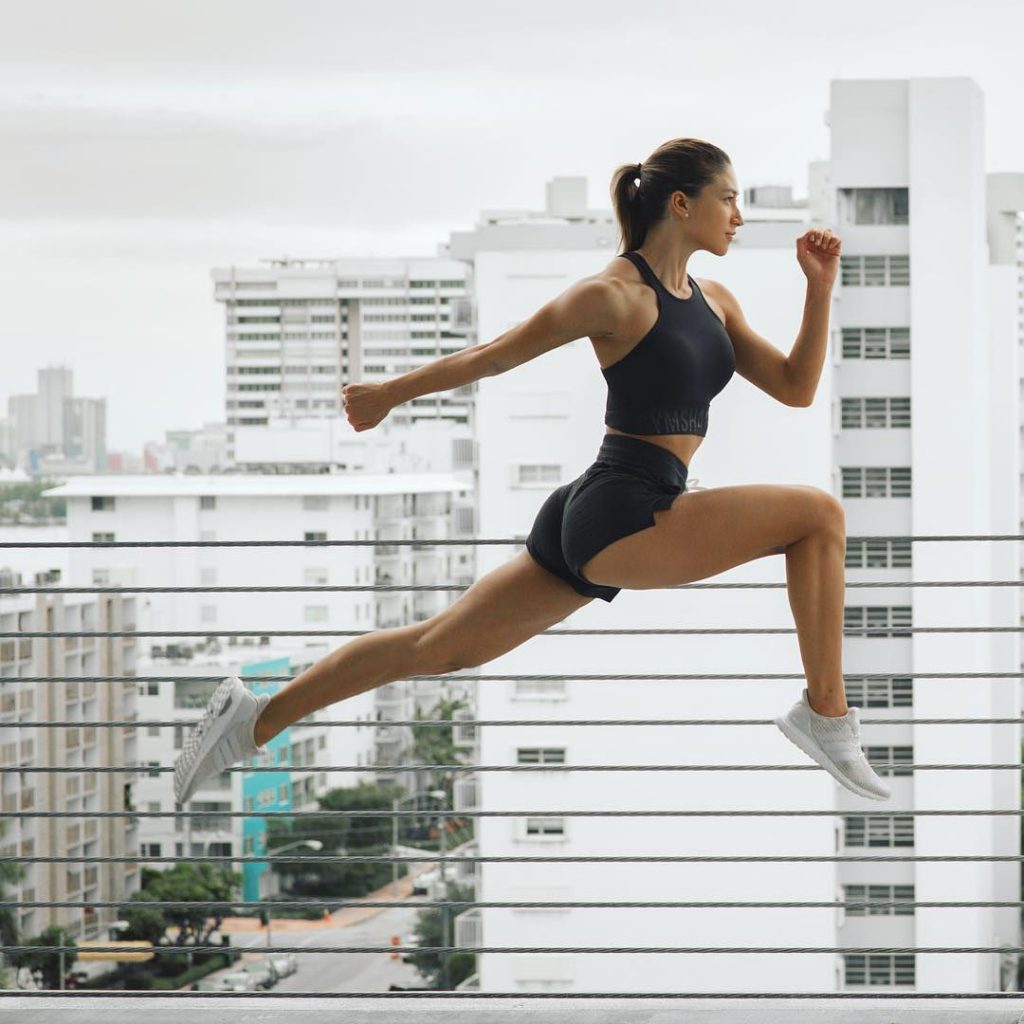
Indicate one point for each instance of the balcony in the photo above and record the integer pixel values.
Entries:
(871, 978)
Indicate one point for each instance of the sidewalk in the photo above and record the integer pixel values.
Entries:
(341, 918)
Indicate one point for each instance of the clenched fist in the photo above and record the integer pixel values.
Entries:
(818, 252)
(365, 404)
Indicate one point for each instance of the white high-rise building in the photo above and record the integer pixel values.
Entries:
(298, 330)
(927, 426)
(910, 340)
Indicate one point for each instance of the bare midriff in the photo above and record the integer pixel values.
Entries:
(682, 446)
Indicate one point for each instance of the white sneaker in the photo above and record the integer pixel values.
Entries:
(835, 744)
(223, 736)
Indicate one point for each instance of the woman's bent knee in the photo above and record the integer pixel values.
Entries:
(833, 515)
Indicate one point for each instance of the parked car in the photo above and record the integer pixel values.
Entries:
(207, 986)
(422, 882)
(237, 981)
(263, 971)
(429, 884)
(284, 963)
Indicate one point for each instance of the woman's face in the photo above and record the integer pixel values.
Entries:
(715, 216)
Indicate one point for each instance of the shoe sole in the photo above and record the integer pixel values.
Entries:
(816, 754)
(215, 731)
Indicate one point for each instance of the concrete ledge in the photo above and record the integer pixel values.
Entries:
(476, 1010)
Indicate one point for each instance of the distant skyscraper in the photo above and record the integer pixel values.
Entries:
(52, 431)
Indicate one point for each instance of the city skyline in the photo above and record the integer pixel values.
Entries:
(144, 147)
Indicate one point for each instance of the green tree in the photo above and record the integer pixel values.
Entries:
(43, 960)
(350, 834)
(198, 885)
(10, 874)
(24, 502)
(430, 931)
(433, 744)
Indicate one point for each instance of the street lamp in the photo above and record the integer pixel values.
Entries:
(312, 844)
(438, 794)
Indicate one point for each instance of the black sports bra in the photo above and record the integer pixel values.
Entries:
(665, 383)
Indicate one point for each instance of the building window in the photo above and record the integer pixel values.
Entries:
(878, 900)
(872, 553)
(102, 504)
(878, 969)
(874, 205)
(103, 538)
(540, 755)
(876, 481)
(875, 413)
(876, 342)
(544, 827)
(208, 613)
(316, 576)
(878, 830)
(894, 692)
(876, 621)
(316, 613)
(207, 501)
(875, 271)
(536, 474)
(900, 757)
(316, 502)
(207, 576)
(315, 535)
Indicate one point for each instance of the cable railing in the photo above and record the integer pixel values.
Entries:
(861, 959)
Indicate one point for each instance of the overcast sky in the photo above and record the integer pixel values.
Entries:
(145, 142)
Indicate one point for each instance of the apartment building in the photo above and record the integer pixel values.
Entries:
(910, 340)
(308, 512)
(79, 700)
(298, 330)
(926, 418)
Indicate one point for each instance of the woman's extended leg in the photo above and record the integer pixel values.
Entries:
(500, 611)
(704, 533)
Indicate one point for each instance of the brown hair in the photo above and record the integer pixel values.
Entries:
(683, 165)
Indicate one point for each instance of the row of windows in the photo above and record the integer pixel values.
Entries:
(899, 757)
(894, 692)
(875, 271)
(875, 621)
(315, 319)
(888, 900)
(540, 755)
(411, 300)
(876, 342)
(874, 413)
(287, 370)
(878, 830)
(878, 969)
(873, 553)
(876, 481)
(300, 335)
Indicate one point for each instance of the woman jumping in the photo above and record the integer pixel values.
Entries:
(666, 346)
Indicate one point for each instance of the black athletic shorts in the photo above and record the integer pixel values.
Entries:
(614, 497)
